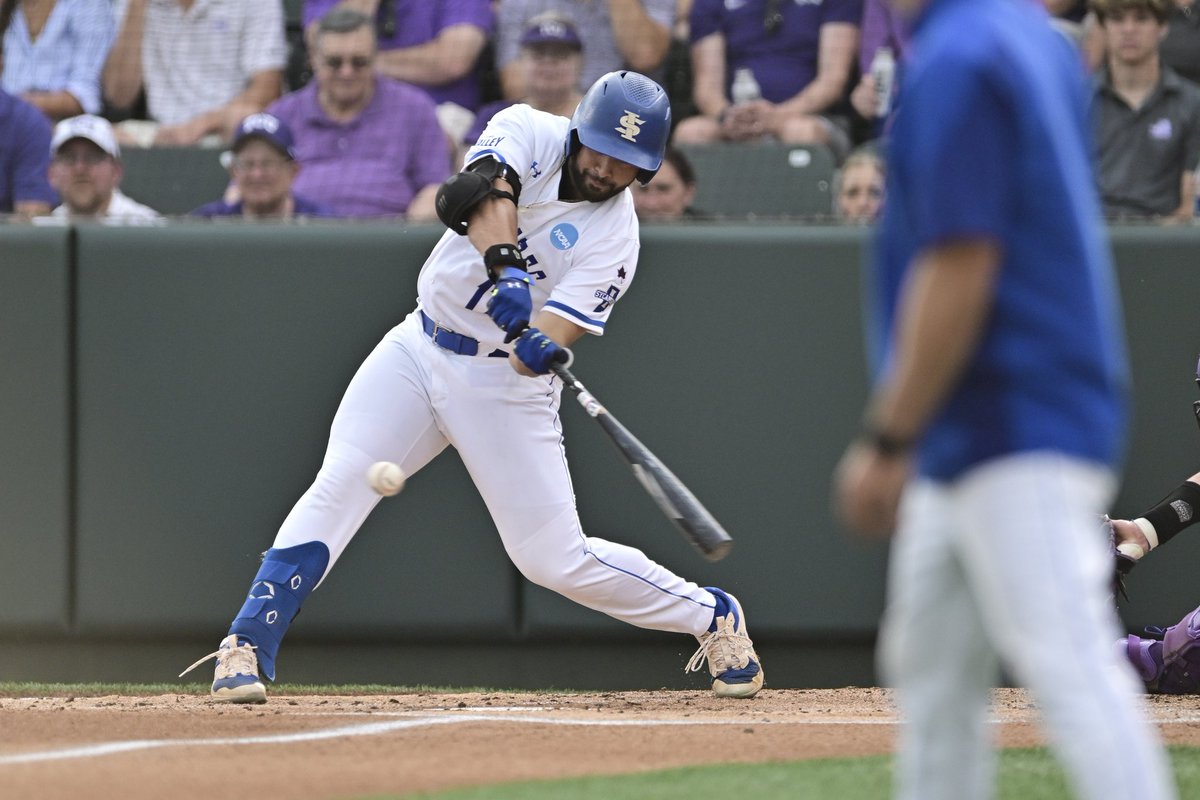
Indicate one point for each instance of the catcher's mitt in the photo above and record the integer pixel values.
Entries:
(1123, 563)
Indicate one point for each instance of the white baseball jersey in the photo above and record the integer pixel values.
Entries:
(581, 255)
(412, 398)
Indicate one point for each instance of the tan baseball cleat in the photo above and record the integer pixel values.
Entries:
(236, 679)
(736, 669)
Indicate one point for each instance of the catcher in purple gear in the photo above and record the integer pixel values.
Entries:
(1167, 659)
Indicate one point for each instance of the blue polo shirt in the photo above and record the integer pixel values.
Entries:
(24, 154)
(992, 140)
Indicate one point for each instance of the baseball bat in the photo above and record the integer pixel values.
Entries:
(694, 521)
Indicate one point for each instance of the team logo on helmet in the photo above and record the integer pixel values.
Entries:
(631, 126)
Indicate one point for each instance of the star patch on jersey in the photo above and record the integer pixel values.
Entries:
(621, 274)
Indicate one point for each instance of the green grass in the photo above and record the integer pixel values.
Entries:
(1025, 774)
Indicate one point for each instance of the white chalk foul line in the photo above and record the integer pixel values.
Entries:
(110, 748)
(371, 729)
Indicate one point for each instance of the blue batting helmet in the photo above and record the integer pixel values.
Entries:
(625, 116)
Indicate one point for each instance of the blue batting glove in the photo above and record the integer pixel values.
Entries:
(538, 351)
(510, 306)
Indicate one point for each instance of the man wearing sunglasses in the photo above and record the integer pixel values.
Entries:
(368, 145)
(433, 44)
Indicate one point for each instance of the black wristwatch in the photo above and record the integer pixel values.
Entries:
(886, 444)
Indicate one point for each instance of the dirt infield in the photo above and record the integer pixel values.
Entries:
(185, 747)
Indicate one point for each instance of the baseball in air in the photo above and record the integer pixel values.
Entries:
(1132, 550)
(385, 478)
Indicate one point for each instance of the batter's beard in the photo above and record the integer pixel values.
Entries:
(584, 189)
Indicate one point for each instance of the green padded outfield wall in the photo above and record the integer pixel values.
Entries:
(175, 387)
(211, 361)
(35, 463)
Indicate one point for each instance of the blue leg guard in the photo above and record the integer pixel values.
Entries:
(284, 580)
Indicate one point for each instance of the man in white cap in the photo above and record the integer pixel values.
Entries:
(86, 170)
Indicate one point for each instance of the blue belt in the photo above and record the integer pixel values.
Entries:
(448, 339)
(455, 342)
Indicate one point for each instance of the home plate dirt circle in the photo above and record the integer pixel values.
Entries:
(184, 746)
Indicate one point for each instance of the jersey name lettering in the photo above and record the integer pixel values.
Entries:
(530, 259)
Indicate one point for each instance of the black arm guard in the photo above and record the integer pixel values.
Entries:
(499, 256)
(461, 193)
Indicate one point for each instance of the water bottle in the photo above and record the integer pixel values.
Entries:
(883, 73)
(745, 88)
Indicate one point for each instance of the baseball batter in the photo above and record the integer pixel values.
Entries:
(542, 244)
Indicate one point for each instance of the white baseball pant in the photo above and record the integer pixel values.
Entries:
(408, 400)
(1008, 565)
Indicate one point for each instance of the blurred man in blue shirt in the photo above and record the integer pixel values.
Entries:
(998, 416)
(24, 158)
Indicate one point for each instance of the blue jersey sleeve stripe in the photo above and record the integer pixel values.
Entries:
(489, 152)
(588, 321)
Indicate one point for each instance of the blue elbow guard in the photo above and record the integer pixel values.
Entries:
(284, 580)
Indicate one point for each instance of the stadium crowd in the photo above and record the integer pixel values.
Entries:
(378, 99)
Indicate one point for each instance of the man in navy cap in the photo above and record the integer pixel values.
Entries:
(263, 170)
(551, 61)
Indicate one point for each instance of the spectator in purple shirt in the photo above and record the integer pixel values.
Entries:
(433, 44)
(772, 69)
(24, 158)
(264, 169)
(369, 146)
(884, 37)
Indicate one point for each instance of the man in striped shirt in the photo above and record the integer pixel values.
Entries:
(205, 64)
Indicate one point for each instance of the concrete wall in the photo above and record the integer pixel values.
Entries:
(170, 394)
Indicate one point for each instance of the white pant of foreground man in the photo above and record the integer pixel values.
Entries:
(1007, 565)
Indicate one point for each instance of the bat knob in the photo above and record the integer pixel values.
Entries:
(564, 357)
(719, 550)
